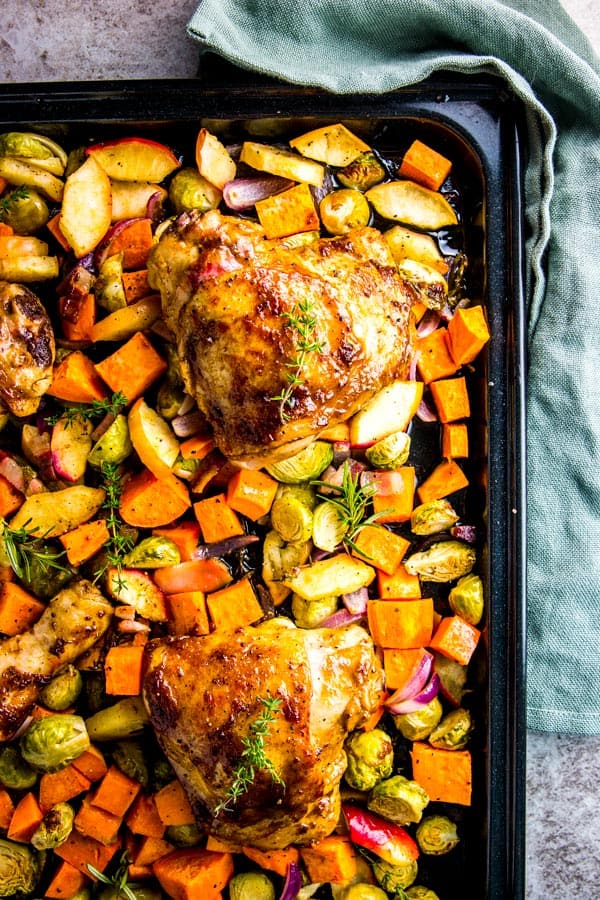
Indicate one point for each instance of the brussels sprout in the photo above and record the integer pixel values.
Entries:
(189, 190)
(329, 527)
(29, 145)
(134, 890)
(123, 719)
(170, 394)
(453, 732)
(442, 562)
(25, 211)
(304, 465)
(437, 835)
(251, 886)
(466, 598)
(279, 559)
(15, 773)
(362, 173)
(398, 799)
(55, 827)
(20, 868)
(114, 446)
(162, 772)
(51, 743)
(312, 613)
(43, 580)
(292, 512)
(453, 678)
(362, 892)
(108, 289)
(416, 726)
(418, 892)
(183, 835)
(63, 690)
(130, 758)
(153, 553)
(370, 756)
(394, 878)
(390, 452)
(342, 210)
(433, 517)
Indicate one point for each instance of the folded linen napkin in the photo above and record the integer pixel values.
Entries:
(379, 45)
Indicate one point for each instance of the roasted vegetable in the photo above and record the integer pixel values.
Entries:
(442, 562)
(429, 284)
(15, 773)
(304, 465)
(433, 517)
(418, 892)
(394, 878)
(362, 173)
(109, 289)
(114, 446)
(453, 732)
(51, 743)
(292, 512)
(466, 598)
(190, 190)
(153, 553)
(20, 868)
(343, 210)
(362, 892)
(390, 452)
(370, 756)
(131, 759)
(63, 690)
(251, 886)
(418, 725)
(398, 799)
(183, 835)
(437, 835)
(312, 613)
(36, 147)
(25, 211)
(55, 827)
(123, 719)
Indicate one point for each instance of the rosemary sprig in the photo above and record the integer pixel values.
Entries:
(118, 880)
(302, 319)
(22, 546)
(118, 544)
(253, 757)
(95, 410)
(9, 200)
(352, 503)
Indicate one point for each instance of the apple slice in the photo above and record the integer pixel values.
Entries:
(152, 439)
(70, 445)
(12, 245)
(390, 410)
(130, 199)
(213, 159)
(281, 162)
(87, 207)
(29, 269)
(134, 159)
(137, 589)
(123, 323)
(412, 204)
(334, 145)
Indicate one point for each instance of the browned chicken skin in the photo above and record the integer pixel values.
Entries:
(229, 297)
(26, 349)
(204, 693)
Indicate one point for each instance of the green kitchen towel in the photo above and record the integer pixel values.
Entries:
(374, 46)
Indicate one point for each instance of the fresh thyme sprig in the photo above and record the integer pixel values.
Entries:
(302, 319)
(253, 757)
(22, 546)
(352, 503)
(118, 543)
(95, 410)
(118, 880)
(9, 200)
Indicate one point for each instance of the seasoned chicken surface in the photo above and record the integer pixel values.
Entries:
(26, 349)
(242, 310)
(203, 695)
(72, 622)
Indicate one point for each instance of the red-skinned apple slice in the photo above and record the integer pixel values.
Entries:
(130, 198)
(390, 410)
(135, 159)
(86, 208)
(70, 444)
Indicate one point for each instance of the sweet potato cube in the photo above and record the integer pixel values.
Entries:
(234, 605)
(289, 212)
(446, 478)
(445, 774)
(455, 440)
(434, 360)
(451, 398)
(425, 165)
(401, 624)
(400, 585)
(468, 333)
(455, 638)
(380, 547)
(133, 367)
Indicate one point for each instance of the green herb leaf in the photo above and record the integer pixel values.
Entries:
(302, 319)
(22, 545)
(95, 410)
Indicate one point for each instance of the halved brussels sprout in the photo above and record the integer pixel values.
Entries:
(153, 553)
(55, 827)
(437, 835)
(453, 732)
(312, 613)
(398, 799)
(329, 528)
(433, 517)
(45, 581)
(342, 210)
(251, 886)
(362, 891)
(394, 878)
(129, 757)
(114, 446)
(30, 145)
(123, 719)
(279, 559)
(418, 892)
(15, 773)
(370, 756)
(390, 452)
(189, 190)
(25, 211)
(362, 173)
(108, 288)
(442, 562)
(20, 868)
(51, 743)
(183, 835)
(63, 690)
(416, 726)
(305, 465)
(136, 890)
(466, 598)
(292, 512)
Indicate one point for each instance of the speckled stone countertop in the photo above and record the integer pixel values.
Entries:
(54, 40)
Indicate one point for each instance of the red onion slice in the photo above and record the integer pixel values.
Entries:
(425, 412)
(356, 601)
(342, 617)
(224, 547)
(467, 533)
(243, 193)
(416, 704)
(429, 322)
(293, 882)
(416, 682)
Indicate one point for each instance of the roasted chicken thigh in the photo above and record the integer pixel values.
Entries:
(244, 310)
(204, 693)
